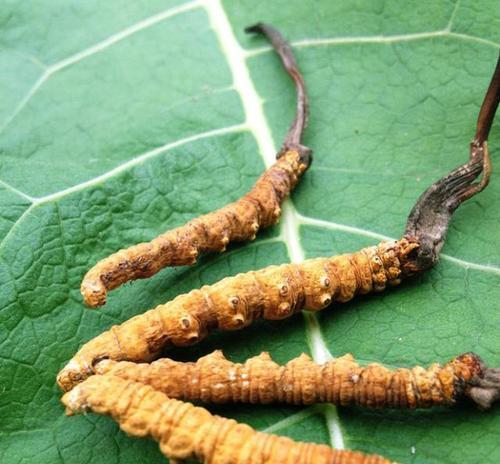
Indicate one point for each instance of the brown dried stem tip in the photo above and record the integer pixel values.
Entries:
(294, 137)
(430, 217)
(184, 431)
(342, 381)
(238, 221)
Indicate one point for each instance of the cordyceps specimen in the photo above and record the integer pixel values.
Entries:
(238, 221)
(185, 431)
(342, 381)
(277, 292)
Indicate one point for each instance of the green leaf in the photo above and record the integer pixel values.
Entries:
(119, 120)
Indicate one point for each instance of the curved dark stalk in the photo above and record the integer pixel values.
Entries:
(429, 219)
(489, 107)
(293, 139)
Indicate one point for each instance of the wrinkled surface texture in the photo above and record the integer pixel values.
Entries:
(185, 431)
(119, 120)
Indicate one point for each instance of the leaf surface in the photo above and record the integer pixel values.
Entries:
(119, 120)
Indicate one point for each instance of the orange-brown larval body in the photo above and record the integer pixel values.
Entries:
(342, 381)
(184, 431)
(238, 221)
(275, 292)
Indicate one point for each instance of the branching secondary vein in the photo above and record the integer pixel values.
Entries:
(96, 48)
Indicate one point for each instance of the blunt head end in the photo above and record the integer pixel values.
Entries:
(94, 292)
(72, 374)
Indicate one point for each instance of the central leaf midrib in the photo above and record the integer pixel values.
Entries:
(256, 121)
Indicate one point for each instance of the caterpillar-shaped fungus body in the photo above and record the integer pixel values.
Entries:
(273, 293)
(184, 431)
(342, 381)
(238, 221)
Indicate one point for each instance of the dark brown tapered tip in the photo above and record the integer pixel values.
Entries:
(254, 28)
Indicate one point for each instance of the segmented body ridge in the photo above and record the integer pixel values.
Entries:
(342, 381)
(212, 232)
(273, 293)
(184, 431)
